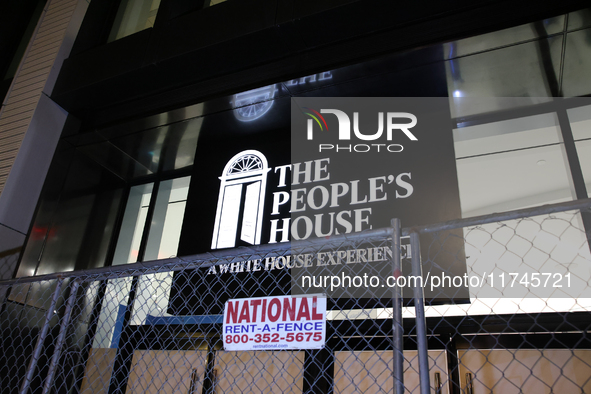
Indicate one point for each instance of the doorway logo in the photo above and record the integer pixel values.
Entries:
(392, 123)
(241, 200)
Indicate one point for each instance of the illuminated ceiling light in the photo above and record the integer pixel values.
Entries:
(457, 93)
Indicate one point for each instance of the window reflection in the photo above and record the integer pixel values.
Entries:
(517, 71)
(577, 63)
(73, 225)
(579, 19)
(503, 38)
(134, 16)
(584, 151)
(510, 165)
(132, 227)
(209, 3)
(163, 239)
(165, 231)
(580, 122)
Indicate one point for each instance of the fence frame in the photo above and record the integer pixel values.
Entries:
(205, 260)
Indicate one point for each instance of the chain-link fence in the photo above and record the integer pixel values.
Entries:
(490, 304)
(8, 262)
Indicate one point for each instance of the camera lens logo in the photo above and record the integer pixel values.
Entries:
(314, 116)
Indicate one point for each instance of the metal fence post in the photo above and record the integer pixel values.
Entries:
(421, 323)
(397, 327)
(42, 335)
(61, 337)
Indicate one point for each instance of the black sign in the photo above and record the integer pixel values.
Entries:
(317, 167)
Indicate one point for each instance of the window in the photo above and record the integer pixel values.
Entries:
(134, 16)
(164, 203)
(165, 227)
(580, 120)
(511, 164)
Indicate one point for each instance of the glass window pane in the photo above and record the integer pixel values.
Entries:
(132, 228)
(508, 135)
(159, 149)
(577, 63)
(209, 3)
(113, 308)
(580, 123)
(165, 231)
(109, 156)
(154, 289)
(127, 251)
(579, 19)
(510, 165)
(584, 152)
(71, 228)
(518, 71)
(134, 16)
(504, 37)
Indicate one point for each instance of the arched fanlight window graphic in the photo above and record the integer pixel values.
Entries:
(253, 104)
(241, 200)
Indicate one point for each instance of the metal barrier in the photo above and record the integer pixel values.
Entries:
(498, 303)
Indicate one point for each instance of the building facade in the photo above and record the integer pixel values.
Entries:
(137, 131)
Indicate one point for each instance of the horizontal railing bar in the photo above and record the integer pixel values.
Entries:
(205, 260)
(499, 217)
(202, 260)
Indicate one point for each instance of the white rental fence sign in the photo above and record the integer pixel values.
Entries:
(281, 322)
